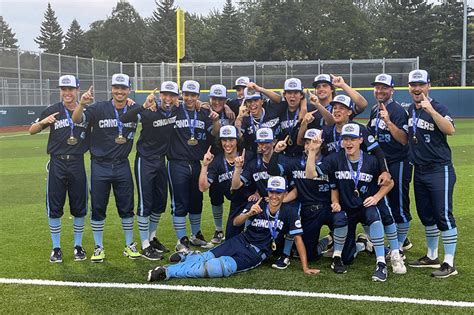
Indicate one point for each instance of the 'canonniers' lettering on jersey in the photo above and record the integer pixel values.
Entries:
(257, 232)
(60, 131)
(101, 117)
(335, 165)
(256, 173)
(432, 145)
(334, 144)
(289, 125)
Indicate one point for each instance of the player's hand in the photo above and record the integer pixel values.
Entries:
(315, 143)
(51, 119)
(254, 197)
(150, 100)
(310, 271)
(370, 201)
(313, 99)
(129, 102)
(208, 157)
(338, 81)
(229, 113)
(281, 145)
(205, 105)
(243, 111)
(384, 179)
(88, 97)
(336, 207)
(255, 208)
(383, 113)
(214, 116)
(239, 161)
(308, 118)
(426, 104)
(254, 86)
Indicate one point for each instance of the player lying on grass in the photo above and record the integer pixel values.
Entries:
(264, 222)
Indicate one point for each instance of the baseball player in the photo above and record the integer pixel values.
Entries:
(265, 223)
(67, 143)
(434, 177)
(240, 85)
(388, 125)
(216, 173)
(355, 173)
(150, 165)
(111, 143)
(316, 196)
(187, 148)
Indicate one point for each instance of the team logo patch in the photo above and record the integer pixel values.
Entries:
(263, 134)
(311, 134)
(417, 75)
(192, 86)
(292, 84)
(349, 129)
(275, 183)
(218, 92)
(371, 139)
(340, 98)
(120, 79)
(66, 81)
(169, 86)
(226, 132)
(298, 223)
(241, 82)
(382, 78)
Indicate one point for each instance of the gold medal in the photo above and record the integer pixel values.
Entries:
(71, 140)
(192, 141)
(415, 140)
(120, 139)
(274, 245)
(376, 138)
(290, 142)
(356, 192)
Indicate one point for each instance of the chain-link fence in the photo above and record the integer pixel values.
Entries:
(30, 78)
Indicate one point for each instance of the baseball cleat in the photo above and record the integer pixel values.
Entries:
(425, 262)
(151, 254)
(56, 256)
(158, 246)
(364, 239)
(337, 265)
(198, 240)
(281, 263)
(79, 253)
(183, 244)
(444, 271)
(218, 237)
(99, 255)
(131, 251)
(157, 274)
(380, 273)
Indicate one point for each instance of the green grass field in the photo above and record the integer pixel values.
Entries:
(25, 247)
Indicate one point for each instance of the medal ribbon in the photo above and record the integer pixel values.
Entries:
(334, 135)
(71, 123)
(119, 123)
(359, 167)
(293, 122)
(414, 121)
(259, 123)
(272, 226)
(192, 126)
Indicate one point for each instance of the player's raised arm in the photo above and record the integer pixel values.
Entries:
(274, 97)
(359, 101)
(313, 149)
(445, 125)
(245, 215)
(398, 134)
(203, 182)
(239, 164)
(327, 116)
(40, 125)
(86, 99)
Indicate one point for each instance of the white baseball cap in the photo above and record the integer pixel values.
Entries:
(191, 86)
(241, 81)
(121, 79)
(342, 99)
(250, 94)
(218, 90)
(228, 131)
(384, 79)
(68, 81)
(322, 78)
(418, 76)
(293, 84)
(169, 86)
(351, 130)
(276, 184)
(311, 133)
(264, 135)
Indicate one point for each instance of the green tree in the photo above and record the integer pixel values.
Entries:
(7, 37)
(120, 37)
(75, 41)
(201, 37)
(160, 36)
(51, 38)
(229, 35)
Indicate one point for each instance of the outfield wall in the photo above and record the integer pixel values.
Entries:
(460, 101)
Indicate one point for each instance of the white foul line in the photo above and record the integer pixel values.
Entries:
(371, 298)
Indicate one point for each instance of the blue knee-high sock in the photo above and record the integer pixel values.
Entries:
(217, 213)
(402, 231)
(98, 232)
(339, 236)
(376, 235)
(179, 224)
(55, 230)
(322, 245)
(450, 238)
(432, 238)
(366, 230)
(78, 230)
(143, 226)
(127, 226)
(154, 220)
(392, 237)
(287, 246)
(195, 220)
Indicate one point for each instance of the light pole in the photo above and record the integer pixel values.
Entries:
(464, 45)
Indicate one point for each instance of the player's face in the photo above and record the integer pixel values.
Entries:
(190, 99)
(323, 91)
(351, 145)
(275, 199)
(120, 93)
(417, 89)
(382, 92)
(293, 98)
(240, 91)
(217, 104)
(265, 148)
(229, 145)
(168, 98)
(69, 94)
(341, 113)
(254, 106)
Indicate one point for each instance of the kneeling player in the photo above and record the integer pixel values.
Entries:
(264, 222)
(355, 174)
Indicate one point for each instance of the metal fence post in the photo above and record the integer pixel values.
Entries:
(383, 65)
(418, 62)
(162, 72)
(141, 76)
(93, 75)
(107, 78)
(59, 65)
(41, 78)
(135, 74)
(121, 67)
(286, 69)
(19, 76)
(221, 71)
(350, 71)
(254, 71)
(192, 70)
